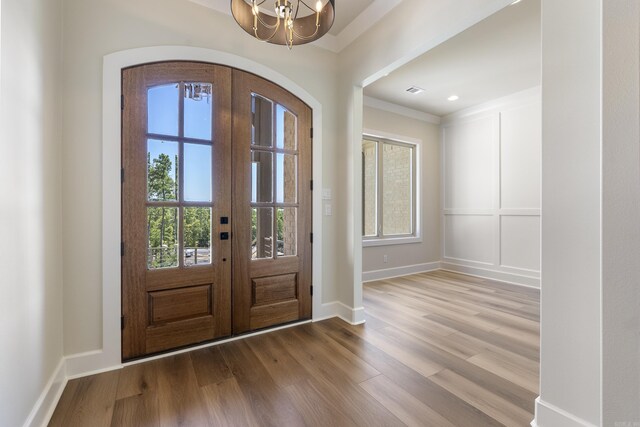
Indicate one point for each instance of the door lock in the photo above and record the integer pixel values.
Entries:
(224, 235)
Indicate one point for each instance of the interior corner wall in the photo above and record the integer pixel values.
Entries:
(93, 29)
(30, 206)
(491, 189)
(410, 257)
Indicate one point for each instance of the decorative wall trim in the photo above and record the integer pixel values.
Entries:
(499, 264)
(389, 273)
(488, 273)
(548, 415)
(489, 212)
(389, 107)
(48, 400)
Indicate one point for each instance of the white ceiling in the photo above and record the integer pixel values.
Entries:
(353, 18)
(498, 56)
(346, 12)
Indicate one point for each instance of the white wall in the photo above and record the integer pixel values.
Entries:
(404, 256)
(621, 213)
(570, 372)
(491, 189)
(30, 206)
(93, 29)
(590, 330)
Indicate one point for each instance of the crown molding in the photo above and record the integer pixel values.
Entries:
(399, 109)
(365, 20)
(531, 94)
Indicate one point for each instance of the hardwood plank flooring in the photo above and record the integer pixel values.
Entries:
(438, 349)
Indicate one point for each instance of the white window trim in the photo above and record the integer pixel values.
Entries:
(409, 239)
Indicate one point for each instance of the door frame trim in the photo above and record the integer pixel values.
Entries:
(109, 357)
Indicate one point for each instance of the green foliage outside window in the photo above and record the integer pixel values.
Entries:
(163, 221)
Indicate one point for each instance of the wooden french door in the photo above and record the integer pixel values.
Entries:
(199, 260)
(271, 205)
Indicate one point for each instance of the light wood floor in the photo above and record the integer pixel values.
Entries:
(438, 349)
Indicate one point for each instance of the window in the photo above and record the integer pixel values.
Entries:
(389, 180)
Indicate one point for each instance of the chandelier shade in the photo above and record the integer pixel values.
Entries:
(287, 23)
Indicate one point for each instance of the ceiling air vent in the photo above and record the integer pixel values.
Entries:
(415, 90)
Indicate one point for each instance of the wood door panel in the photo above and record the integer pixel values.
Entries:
(268, 290)
(263, 316)
(178, 304)
(179, 334)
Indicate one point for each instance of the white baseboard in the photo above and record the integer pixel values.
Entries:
(90, 363)
(548, 415)
(485, 273)
(48, 400)
(389, 273)
(354, 316)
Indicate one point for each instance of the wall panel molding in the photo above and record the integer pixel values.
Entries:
(490, 273)
(491, 189)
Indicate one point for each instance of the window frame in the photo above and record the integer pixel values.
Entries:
(380, 239)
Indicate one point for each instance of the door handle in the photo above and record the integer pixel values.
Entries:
(224, 235)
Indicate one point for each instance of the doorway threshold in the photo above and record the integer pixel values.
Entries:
(213, 343)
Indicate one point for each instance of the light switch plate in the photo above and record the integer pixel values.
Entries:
(326, 194)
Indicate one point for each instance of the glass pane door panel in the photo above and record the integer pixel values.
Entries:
(197, 173)
(163, 109)
(197, 236)
(162, 170)
(162, 248)
(261, 177)
(286, 223)
(397, 185)
(198, 106)
(286, 178)
(262, 121)
(286, 129)
(261, 233)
